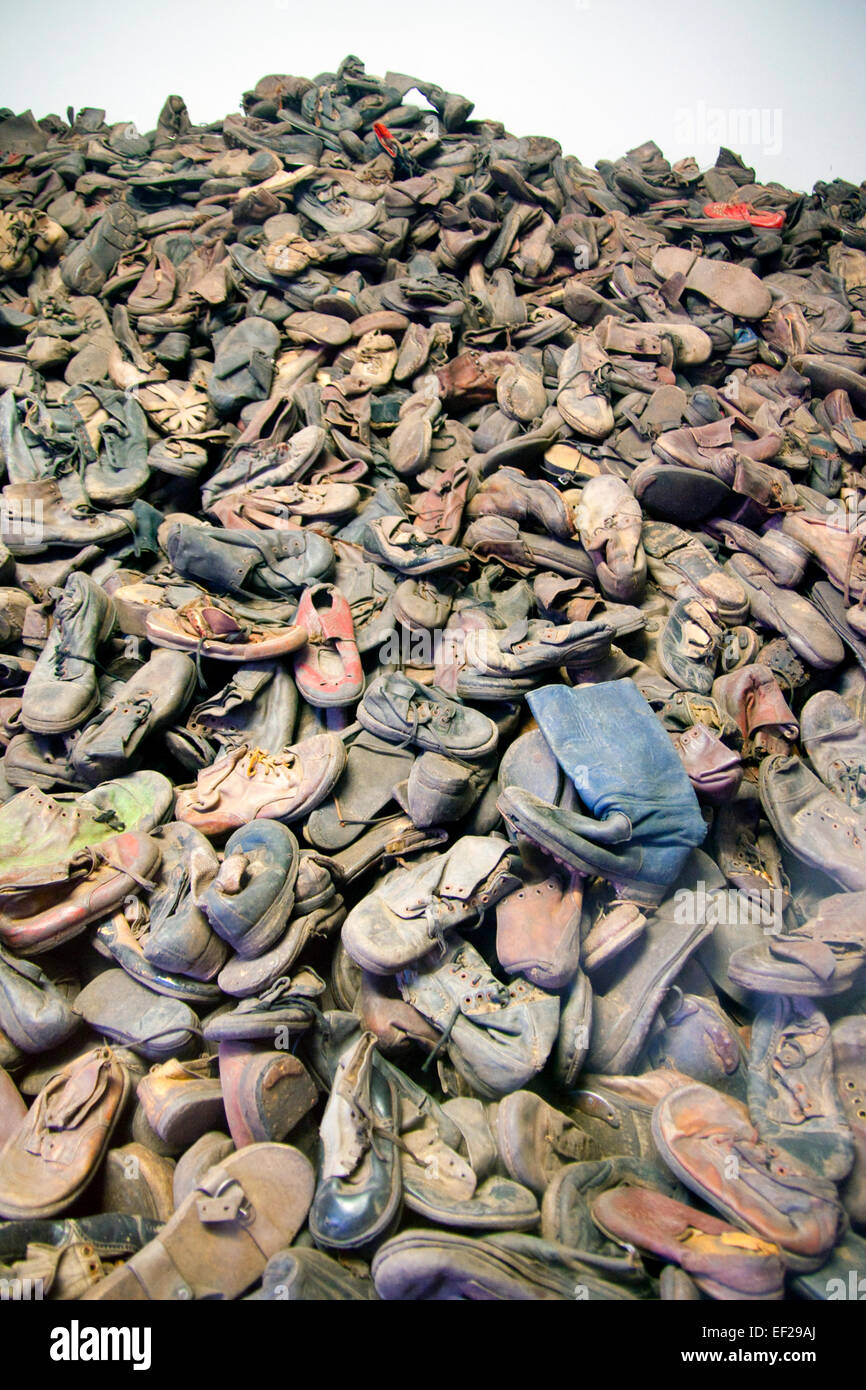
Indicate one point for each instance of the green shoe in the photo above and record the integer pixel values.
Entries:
(40, 835)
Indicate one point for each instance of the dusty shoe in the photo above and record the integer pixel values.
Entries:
(624, 1013)
(704, 1136)
(401, 710)
(215, 628)
(699, 1040)
(60, 899)
(61, 690)
(819, 828)
(306, 1275)
(590, 732)
(359, 1188)
(792, 1096)
(608, 520)
(92, 260)
(724, 1262)
(394, 541)
(149, 700)
(835, 743)
(508, 492)
(682, 566)
(535, 1141)
(498, 1036)
(248, 900)
(328, 669)
(413, 907)
(430, 1264)
(250, 563)
(134, 1017)
(502, 665)
(181, 1101)
(689, 646)
(538, 930)
(179, 938)
(582, 399)
(286, 1007)
(211, 1246)
(34, 1014)
(38, 516)
(438, 790)
(248, 783)
(258, 707)
(266, 1092)
(732, 287)
(789, 613)
(52, 1156)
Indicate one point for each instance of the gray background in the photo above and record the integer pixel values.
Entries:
(779, 80)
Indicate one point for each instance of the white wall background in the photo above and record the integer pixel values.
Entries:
(781, 81)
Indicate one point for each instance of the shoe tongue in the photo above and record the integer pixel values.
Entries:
(401, 688)
(67, 1107)
(232, 876)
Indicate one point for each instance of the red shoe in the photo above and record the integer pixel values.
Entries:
(328, 669)
(744, 212)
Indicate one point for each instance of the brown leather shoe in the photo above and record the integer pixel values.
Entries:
(535, 1141)
(724, 1262)
(266, 1092)
(137, 1182)
(509, 492)
(538, 930)
(52, 1156)
(608, 520)
(217, 1243)
(710, 1143)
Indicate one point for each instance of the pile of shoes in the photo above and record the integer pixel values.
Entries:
(433, 711)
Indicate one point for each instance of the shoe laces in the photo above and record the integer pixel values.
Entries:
(851, 778)
(61, 655)
(443, 1041)
(272, 764)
